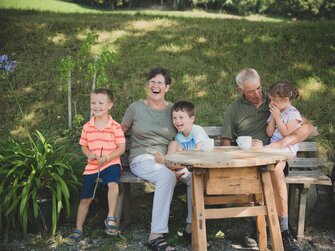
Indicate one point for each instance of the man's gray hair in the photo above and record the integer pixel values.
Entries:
(246, 74)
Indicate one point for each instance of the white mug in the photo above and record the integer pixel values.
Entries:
(244, 142)
(207, 145)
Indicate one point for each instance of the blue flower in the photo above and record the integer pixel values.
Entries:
(6, 66)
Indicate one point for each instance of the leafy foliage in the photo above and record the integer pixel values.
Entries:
(80, 70)
(30, 171)
(297, 8)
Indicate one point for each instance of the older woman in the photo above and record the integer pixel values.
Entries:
(152, 130)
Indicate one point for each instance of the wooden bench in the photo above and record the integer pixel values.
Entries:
(304, 171)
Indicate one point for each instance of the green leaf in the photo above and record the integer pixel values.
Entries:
(54, 213)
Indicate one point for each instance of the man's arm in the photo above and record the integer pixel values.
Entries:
(302, 133)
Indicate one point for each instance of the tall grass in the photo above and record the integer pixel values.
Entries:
(203, 55)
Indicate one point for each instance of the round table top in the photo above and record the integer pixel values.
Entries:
(229, 156)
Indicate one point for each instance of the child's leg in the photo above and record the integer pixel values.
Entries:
(111, 177)
(77, 235)
(82, 212)
(112, 196)
(280, 194)
(85, 199)
(187, 179)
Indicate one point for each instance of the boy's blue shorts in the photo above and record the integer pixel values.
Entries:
(110, 174)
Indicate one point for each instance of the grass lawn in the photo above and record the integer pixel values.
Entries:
(203, 55)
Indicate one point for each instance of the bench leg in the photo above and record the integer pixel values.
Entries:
(126, 203)
(292, 213)
(303, 191)
(119, 205)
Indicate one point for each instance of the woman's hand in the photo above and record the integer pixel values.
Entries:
(159, 158)
(179, 174)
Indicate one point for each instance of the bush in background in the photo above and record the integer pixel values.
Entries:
(291, 8)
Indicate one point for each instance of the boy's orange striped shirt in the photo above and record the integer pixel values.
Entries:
(107, 138)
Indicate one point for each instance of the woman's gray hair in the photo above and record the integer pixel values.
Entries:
(246, 74)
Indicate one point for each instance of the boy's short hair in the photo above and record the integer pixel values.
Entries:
(184, 106)
(106, 91)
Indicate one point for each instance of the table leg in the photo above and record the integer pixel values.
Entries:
(277, 244)
(261, 230)
(199, 241)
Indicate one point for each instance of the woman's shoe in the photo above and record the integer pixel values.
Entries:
(159, 244)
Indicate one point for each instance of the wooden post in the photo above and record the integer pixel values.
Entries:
(302, 209)
(199, 240)
(96, 58)
(277, 244)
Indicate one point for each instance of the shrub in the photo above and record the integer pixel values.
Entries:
(30, 171)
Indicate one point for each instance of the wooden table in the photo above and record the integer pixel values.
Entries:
(229, 175)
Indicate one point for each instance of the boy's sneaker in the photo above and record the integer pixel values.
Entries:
(288, 242)
(251, 241)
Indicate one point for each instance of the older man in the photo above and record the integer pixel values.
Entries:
(248, 116)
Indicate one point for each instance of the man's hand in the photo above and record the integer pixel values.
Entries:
(257, 143)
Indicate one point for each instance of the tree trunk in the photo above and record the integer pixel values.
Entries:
(69, 107)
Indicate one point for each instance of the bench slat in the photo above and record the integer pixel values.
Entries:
(304, 163)
(308, 147)
(314, 163)
(128, 177)
(307, 177)
(213, 131)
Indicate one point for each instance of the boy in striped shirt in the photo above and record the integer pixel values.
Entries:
(103, 142)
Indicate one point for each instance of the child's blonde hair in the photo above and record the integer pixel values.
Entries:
(284, 89)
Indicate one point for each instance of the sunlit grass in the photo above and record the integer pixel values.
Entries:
(311, 87)
(58, 39)
(69, 7)
(46, 5)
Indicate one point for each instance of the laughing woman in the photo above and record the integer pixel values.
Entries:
(152, 130)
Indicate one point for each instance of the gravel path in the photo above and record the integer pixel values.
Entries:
(225, 234)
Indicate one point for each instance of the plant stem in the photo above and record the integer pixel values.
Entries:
(20, 109)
